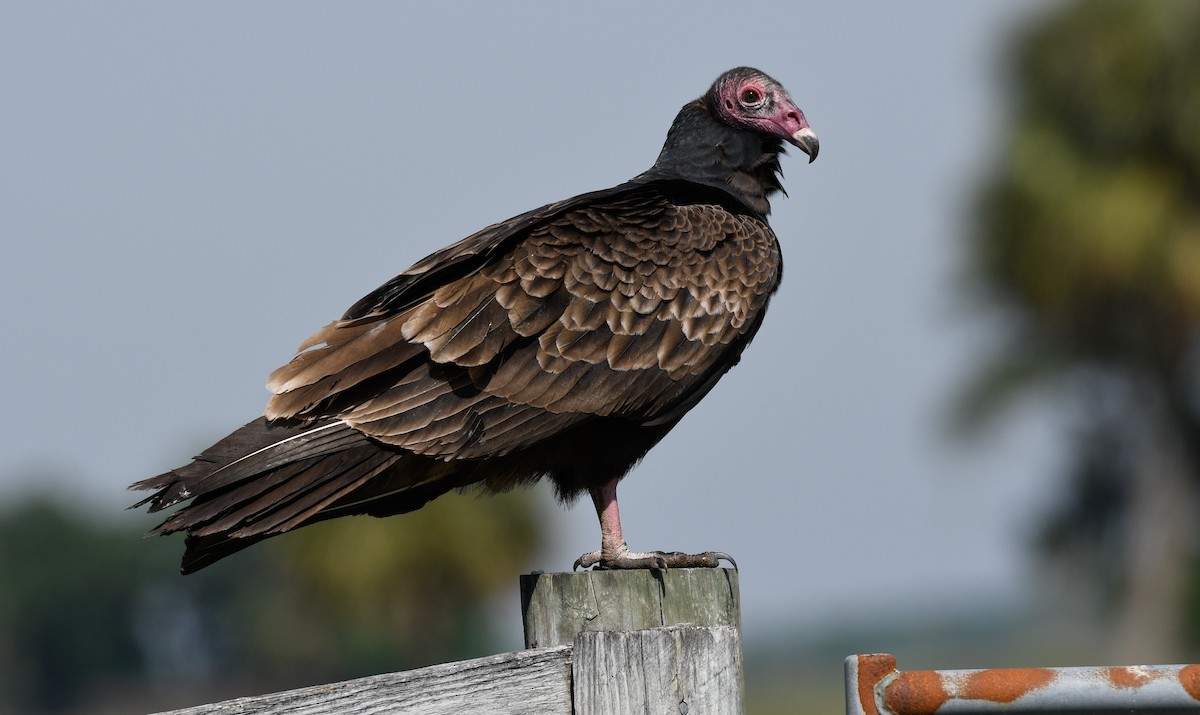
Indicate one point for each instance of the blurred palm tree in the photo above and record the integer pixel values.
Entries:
(1089, 245)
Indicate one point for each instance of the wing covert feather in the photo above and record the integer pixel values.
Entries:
(621, 305)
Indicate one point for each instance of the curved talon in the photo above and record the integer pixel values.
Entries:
(587, 560)
(722, 555)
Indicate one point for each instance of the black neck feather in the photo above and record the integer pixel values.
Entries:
(704, 150)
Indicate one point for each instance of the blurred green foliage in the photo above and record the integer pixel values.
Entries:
(91, 611)
(66, 583)
(1089, 245)
(1091, 226)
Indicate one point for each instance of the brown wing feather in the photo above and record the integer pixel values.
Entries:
(620, 306)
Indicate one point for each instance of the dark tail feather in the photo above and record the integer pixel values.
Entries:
(201, 551)
(291, 504)
(321, 484)
(376, 498)
(254, 448)
(263, 480)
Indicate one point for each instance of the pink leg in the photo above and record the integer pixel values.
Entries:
(615, 554)
(611, 540)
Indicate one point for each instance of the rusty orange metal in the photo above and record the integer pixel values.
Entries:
(1189, 678)
(919, 692)
(1131, 677)
(1003, 685)
(922, 692)
(874, 686)
(870, 670)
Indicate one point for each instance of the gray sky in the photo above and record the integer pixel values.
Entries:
(189, 190)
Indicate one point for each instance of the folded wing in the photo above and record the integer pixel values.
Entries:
(622, 306)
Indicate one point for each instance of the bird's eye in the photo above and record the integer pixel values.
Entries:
(751, 97)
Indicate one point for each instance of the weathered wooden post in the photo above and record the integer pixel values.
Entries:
(598, 643)
(643, 641)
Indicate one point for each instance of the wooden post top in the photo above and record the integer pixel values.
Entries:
(557, 606)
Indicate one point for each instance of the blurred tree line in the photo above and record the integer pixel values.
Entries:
(96, 619)
(1089, 249)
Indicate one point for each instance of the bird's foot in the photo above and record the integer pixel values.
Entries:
(626, 559)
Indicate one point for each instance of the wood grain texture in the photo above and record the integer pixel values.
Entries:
(677, 669)
(557, 606)
(529, 682)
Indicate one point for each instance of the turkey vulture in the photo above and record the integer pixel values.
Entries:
(562, 343)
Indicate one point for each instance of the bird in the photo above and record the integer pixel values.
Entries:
(563, 343)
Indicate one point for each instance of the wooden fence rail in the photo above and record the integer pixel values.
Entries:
(601, 643)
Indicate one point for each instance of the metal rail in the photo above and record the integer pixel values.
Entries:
(875, 687)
